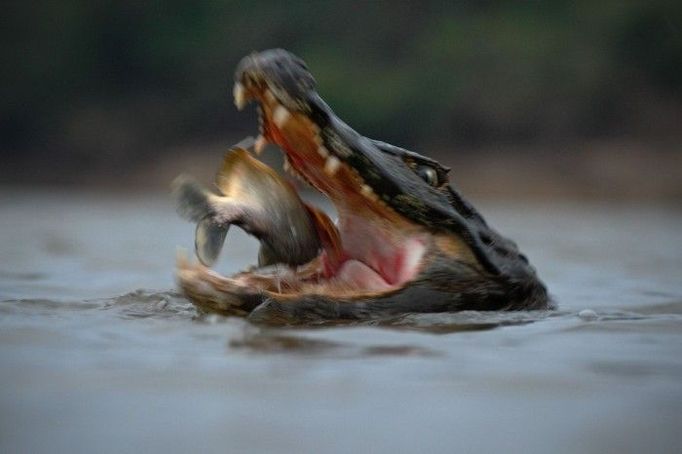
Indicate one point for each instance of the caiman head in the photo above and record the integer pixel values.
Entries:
(405, 240)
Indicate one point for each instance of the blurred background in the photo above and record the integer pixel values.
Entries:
(561, 120)
(538, 98)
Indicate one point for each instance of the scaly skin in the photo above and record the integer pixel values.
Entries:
(411, 243)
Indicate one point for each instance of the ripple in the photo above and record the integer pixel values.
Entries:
(671, 307)
(22, 276)
(147, 303)
(43, 306)
(453, 322)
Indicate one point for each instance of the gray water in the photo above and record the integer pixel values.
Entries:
(98, 353)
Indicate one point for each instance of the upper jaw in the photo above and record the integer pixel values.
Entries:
(293, 116)
(277, 76)
(325, 152)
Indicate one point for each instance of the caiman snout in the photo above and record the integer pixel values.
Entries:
(284, 74)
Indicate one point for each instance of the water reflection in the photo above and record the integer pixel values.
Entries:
(463, 321)
(285, 341)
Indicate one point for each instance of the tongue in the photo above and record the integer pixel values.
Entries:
(356, 274)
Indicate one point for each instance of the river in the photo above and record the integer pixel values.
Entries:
(98, 353)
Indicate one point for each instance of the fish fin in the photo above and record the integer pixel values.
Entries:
(208, 240)
(240, 170)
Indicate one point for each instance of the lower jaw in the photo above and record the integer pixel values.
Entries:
(242, 292)
(351, 278)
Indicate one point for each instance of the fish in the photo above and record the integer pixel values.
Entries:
(252, 196)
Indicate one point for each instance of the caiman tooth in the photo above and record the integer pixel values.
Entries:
(322, 151)
(260, 144)
(244, 144)
(331, 165)
(302, 179)
(239, 94)
(317, 138)
(269, 96)
(281, 116)
(286, 166)
(367, 191)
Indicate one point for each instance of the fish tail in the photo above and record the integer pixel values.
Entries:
(192, 200)
(194, 203)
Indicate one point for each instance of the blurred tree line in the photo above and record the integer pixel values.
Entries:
(106, 84)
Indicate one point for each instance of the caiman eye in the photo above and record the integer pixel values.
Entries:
(428, 174)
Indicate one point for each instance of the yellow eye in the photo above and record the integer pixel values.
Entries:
(428, 174)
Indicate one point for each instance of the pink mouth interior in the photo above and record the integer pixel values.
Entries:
(372, 265)
(380, 250)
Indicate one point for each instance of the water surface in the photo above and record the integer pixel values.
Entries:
(99, 353)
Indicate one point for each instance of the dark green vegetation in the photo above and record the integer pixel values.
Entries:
(101, 85)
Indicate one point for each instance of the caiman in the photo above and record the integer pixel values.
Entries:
(405, 240)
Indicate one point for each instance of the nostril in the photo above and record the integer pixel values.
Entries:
(485, 238)
(502, 251)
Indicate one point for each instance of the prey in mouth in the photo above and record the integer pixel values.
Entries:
(405, 241)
